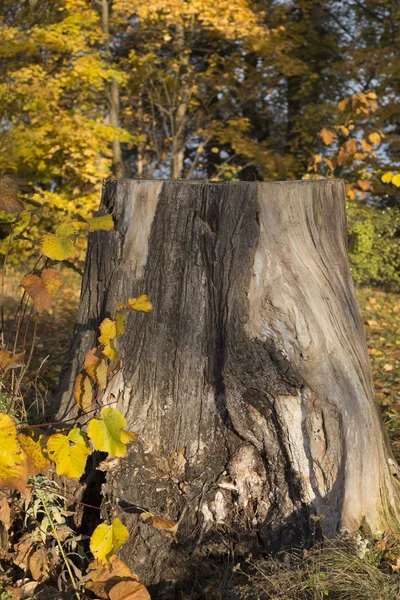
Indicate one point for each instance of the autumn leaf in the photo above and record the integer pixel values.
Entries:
(107, 539)
(375, 138)
(10, 361)
(68, 229)
(327, 136)
(83, 392)
(396, 180)
(108, 330)
(96, 367)
(13, 462)
(387, 177)
(57, 247)
(39, 564)
(101, 574)
(363, 184)
(120, 323)
(129, 590)
(42, 289)
(166, 525)
(103, 223)
(34, 449)
(107, 434)
(142, 304)
(9, 202)
(69, 452)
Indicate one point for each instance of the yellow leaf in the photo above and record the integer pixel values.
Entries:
(104, 223)
(344, 131)
(142, 304)
(96, 367)
(69, 452)
(68, 229)
(110, 351)
(387, 177)
(129, 590)
(351, 146)
(42, 289)
(107, 539)
(13, 462)
(366, 146)
(10, 361)
(200, 149)
(107, 434)
(120, 322)
(34, 450)
(215, 150)
(396, 180)
(57, 247)
(375, 138)
(327, 136)
(83, 392)
(9, 202)
(108, 330)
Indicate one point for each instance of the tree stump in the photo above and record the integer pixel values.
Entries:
(249, 386)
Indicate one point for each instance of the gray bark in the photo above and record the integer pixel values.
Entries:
(249, 386)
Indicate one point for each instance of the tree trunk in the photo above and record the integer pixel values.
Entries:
(249, 385)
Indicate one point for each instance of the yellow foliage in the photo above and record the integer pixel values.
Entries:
(107, 539)
(107, 434)
(96, 367)
(69, 452)
(141, 304)
(83, 392)
(35, 449)
(387, 177)
(108, 330)
(104, 223)
(58, 247)
(13, 461)
(396, 180)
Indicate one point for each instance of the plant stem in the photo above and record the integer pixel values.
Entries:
(74, 585)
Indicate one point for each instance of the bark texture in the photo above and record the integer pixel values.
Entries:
(249, 386)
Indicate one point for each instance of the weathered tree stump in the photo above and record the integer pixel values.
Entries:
(249, 386)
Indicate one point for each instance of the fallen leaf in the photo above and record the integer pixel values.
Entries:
(165, 525)
(39, 565)
(129, 590)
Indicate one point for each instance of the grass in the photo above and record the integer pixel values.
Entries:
(347, 569)
(381, 315)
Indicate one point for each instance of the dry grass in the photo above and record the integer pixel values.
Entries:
(337, 569)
